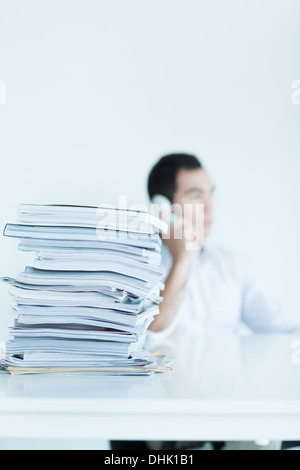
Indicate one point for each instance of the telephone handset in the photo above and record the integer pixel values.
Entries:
(162, 208)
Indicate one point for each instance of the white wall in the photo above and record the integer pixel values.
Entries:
(97, 90)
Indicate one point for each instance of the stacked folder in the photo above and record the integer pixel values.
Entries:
(91, 293)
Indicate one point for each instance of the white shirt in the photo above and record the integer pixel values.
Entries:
(222, 293)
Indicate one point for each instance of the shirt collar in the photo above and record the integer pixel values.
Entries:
(207, 245)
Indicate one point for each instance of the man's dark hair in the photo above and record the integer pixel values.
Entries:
(162, 178)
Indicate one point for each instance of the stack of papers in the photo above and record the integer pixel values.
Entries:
(91, 293)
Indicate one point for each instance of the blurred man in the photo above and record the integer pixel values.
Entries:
(207, 287)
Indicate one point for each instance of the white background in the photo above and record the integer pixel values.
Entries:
(97, 91)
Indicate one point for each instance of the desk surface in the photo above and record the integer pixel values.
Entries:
(221, 387)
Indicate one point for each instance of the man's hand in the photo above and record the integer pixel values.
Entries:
(183, 240)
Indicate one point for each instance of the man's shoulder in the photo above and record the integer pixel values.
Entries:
(212, 251)
(225, 255)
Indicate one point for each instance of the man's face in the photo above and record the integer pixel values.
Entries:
(194, 194)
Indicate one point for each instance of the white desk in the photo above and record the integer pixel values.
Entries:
(221, 388)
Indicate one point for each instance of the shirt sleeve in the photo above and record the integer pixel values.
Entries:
(260, 311)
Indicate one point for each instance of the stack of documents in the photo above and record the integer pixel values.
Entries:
(91, 293)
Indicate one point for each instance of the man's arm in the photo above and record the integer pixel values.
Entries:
(177, 279)
(173, 294)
